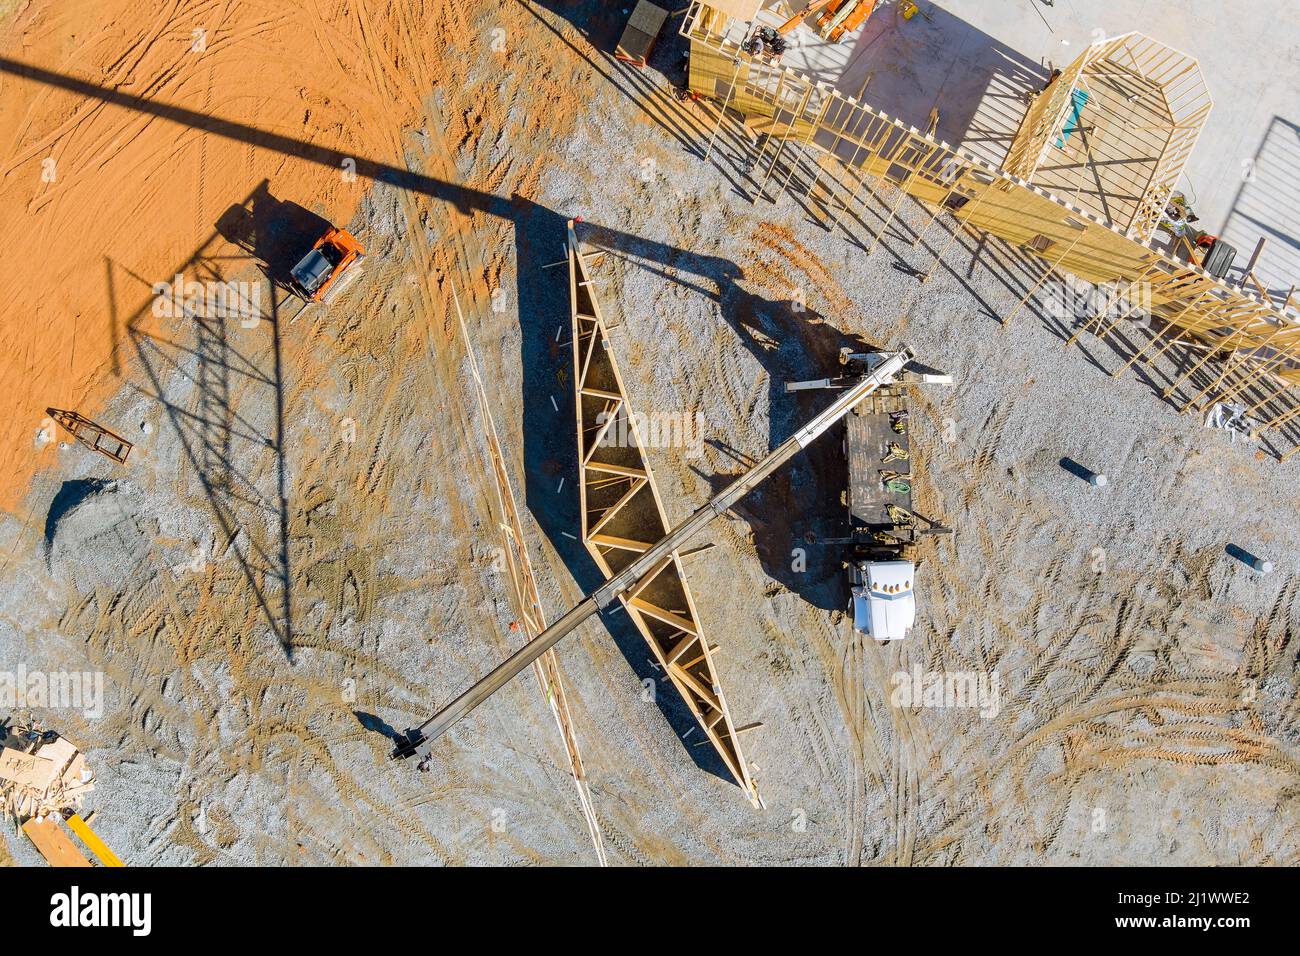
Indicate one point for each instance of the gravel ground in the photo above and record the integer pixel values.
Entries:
(1147, 678)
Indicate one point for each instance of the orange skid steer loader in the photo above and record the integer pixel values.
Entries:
(331, 265)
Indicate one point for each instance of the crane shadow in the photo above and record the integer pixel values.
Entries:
(212, 361)
(265, 229)
(800, 504)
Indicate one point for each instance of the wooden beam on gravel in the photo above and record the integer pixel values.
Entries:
(527, 599)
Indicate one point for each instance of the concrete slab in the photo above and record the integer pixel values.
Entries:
(1237, 176)
(974, 60)
(910, 67)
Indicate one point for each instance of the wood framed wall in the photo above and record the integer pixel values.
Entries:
(1115, 130)
(849, 152)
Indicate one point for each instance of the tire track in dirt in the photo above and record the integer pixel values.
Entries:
(789, 251)
(454, 235)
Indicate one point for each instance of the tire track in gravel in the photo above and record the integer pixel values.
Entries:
(423, 254)
(851, 692)
(454, 236)
(213, 625)
(1013, 759)
(262, 744)
(959, 594)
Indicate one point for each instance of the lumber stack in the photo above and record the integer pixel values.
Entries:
(41, 774)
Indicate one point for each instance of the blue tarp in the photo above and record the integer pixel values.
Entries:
(1077, 100)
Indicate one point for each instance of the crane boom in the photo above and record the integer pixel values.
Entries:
(418, 740)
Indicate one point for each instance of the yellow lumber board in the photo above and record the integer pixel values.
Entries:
(740, 9)
(96, 846)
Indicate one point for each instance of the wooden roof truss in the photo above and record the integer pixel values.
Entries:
(623, 516)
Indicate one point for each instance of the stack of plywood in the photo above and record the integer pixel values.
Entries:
(41, 774)
(642, 31)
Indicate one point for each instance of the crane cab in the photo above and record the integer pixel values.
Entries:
(884, 602)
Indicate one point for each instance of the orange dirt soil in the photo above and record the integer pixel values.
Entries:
(100, 200)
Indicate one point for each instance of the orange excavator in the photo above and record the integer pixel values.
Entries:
(331, 265)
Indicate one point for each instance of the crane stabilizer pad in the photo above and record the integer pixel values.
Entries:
(406, 744)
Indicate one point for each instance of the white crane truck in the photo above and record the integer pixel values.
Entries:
(883, 525)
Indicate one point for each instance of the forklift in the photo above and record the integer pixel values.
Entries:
(333, 264)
